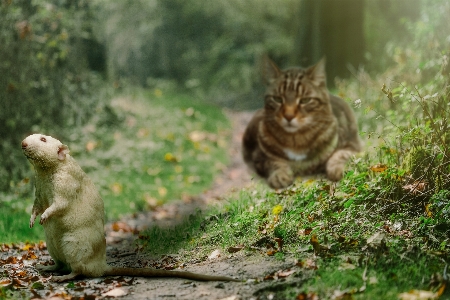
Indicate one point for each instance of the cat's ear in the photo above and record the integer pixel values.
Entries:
(317, 73)
(269, 70)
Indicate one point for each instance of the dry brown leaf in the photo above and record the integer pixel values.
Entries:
(235, 248)
(285, 273)
(315, 243)
(121, 226)
(271, 252)
(416, 187)
(5, 282)
(309, 296)
(378, 168)
(29, 255)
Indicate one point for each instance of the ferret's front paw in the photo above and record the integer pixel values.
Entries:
(64, 277)
(32, 221)
(44, 218)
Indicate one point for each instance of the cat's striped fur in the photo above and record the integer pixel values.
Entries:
(301, 130)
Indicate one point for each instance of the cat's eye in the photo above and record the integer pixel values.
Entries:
(305, 100)
(275, 99)
(43, 139)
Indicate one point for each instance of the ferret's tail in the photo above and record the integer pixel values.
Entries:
(147, 272)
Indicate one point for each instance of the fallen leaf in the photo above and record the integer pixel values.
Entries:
(378, 168)
(416, 187)
(5, 282)
(121, 226)
(315, 243)
(117, 292)
(309, 296)
(309, 264)
(29, 255)
(271, 252)
(285, 273)
(27, 247)
(215, 254)
(235, 248)
(441, 289)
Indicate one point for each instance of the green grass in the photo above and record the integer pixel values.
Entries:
(14, 227)
(143, 149)
(397, 190)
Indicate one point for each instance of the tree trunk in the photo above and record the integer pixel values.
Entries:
(334, 29)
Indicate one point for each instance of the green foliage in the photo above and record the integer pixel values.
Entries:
(206, 46)
(45, 78)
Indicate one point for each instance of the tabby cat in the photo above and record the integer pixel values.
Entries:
(301, 130)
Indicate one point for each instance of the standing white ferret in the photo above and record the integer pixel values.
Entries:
(72, 214)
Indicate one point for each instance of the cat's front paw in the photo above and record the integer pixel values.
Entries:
(281, 178)
(335, 172)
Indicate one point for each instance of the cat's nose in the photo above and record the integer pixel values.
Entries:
(289, 117)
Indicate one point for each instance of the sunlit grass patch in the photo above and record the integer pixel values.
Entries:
(162, 147)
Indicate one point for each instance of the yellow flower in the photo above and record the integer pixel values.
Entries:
(276, 210)
(170, 157)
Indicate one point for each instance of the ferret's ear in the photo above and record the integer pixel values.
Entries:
(62, 151)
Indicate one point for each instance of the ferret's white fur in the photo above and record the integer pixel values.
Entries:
(70, 206)
(72, 215)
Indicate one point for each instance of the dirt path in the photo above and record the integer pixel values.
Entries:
(121, 251)
(236, 176)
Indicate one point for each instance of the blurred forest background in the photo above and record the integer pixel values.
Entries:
(59, 59)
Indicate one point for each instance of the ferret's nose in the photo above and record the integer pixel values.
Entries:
(24, 144)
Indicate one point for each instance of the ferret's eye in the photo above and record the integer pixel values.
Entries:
(43, 139)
